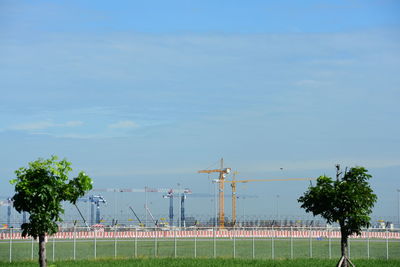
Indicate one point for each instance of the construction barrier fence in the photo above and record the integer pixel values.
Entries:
(258, 242)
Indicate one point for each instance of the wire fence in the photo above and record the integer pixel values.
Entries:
(257, 242)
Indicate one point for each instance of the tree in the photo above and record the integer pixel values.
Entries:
(39, 190)
(347, 200)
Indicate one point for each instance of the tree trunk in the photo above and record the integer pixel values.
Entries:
(344, 260)
(343, 246)
(42, 251)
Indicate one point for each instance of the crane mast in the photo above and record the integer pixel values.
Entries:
(95, 201)
(222, 173)
(221, 180)
(233, 185)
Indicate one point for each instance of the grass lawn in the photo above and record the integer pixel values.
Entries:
(61, 250)
(184, 262)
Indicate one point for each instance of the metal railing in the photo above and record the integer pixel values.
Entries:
(257, 242)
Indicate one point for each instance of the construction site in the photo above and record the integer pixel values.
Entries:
(166, 208)
(155, 222)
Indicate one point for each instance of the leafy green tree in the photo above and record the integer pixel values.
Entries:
(347, 200)
(39, 190)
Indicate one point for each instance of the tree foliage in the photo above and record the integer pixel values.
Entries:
(348, 200)
(40, 190)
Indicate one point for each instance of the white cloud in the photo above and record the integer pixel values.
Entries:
(78, 136)
(72, 124)
(41, 125)
(32, 126)
(123, 125)
(311, 83)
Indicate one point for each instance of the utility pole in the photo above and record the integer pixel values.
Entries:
(398, 208)
(277, 207)
(180, 207)
(215, 206)
(145, 206)
(183, 222)
(221, 199)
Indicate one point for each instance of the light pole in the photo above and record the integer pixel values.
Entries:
(215, 181)
(145, 206)
(180, 205)
(244, 211)
(277, 207)
(398, 208)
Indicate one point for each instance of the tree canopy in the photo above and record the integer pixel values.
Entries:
(348, 201)
(40, 189)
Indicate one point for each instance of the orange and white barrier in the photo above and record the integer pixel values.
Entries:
(7, 235)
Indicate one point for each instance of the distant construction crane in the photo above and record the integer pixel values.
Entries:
(95, 200)
(9, 203)
(171, 195)
(233, 185)
(152, 217)
(221, 180)
(142, 190)
(222, 174)
(147, 190)
(182, 198)
(134, 213)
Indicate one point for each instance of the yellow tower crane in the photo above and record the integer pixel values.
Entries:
(233, 185)
(222, 173)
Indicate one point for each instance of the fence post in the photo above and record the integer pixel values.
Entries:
(155, 243)
(252, 240)
(291, 242)
(310, 241)
(387, 244)
(215, 244)
(53, 248)
(74, 242)
(32, 249)
(272, 243)
(11, 233)
(330, 243)
(95, 243)
(368, 243)
(135, 242)
(175, 242)
(115, 241)
(195, 244)
(234, 243)
(349, 246)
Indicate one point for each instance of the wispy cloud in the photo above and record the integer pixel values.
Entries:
(310, 83)
(42, 125)
(127, 124)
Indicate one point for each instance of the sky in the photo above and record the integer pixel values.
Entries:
(146, 93)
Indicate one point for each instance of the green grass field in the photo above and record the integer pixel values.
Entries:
(183, 262)
(202, 248)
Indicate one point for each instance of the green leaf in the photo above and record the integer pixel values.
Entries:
(39, 190)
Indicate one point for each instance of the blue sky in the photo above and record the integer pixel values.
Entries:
(148, 92)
